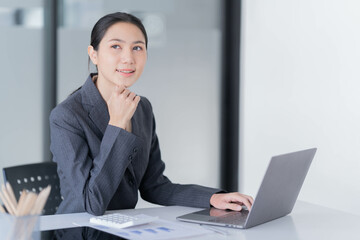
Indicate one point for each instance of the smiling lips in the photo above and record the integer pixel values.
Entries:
(126, 72)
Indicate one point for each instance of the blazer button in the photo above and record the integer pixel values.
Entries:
(130, 157)
(135, 150)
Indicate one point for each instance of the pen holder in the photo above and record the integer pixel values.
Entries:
(22, 228)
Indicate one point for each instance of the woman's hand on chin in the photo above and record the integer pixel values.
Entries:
(122, 105)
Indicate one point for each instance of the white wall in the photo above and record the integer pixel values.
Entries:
(300, 88)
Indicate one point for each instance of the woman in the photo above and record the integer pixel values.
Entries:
(103, 136)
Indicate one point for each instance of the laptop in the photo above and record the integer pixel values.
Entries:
(276, 196)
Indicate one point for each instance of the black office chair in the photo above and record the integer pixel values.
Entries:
(35, 177)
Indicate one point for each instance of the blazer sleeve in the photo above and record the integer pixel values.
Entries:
(89, 182)
(157, 188)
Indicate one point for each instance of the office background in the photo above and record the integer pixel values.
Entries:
(298, 87)
(183, 70)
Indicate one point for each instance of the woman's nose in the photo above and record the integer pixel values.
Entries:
(127, 56)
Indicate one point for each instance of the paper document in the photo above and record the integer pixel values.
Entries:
(157, 230)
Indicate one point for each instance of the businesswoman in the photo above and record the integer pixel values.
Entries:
(103, 136)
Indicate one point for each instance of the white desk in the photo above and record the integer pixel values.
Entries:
(307, 221)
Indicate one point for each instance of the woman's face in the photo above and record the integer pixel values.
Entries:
(121, 55)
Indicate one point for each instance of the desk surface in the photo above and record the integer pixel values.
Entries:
(307, 221)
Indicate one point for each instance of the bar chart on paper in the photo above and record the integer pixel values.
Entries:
(156, 230)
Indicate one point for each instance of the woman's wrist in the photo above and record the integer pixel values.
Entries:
(118, 124)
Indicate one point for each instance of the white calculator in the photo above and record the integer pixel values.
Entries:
(118, 220)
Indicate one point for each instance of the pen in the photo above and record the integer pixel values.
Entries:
(215, 229)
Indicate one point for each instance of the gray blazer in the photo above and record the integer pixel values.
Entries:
(102, 167)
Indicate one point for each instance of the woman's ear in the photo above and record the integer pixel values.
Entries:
(92, 54)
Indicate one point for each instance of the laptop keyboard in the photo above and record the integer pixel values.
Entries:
(235, 218)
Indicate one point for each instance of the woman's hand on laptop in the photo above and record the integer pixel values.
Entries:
(233, 201)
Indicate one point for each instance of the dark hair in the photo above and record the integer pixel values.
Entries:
(107, 21)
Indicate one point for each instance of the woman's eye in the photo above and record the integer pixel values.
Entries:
(137, 48)
(115, 46)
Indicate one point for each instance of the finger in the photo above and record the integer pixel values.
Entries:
(238, 197)
(115, 91)
(233, 206)
(125, 93)
(132, 96)
(251, 200)
(137, 99)
(122, 88)
(243, 200)
(247, 203)
(118, 89)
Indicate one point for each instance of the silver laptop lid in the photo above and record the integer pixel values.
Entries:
(280, 186)
(276, 196)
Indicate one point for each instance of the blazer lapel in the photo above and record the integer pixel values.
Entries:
(95, 104)
(100, 116)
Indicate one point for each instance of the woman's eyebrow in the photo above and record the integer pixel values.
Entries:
(120, 40)
(136, 42)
